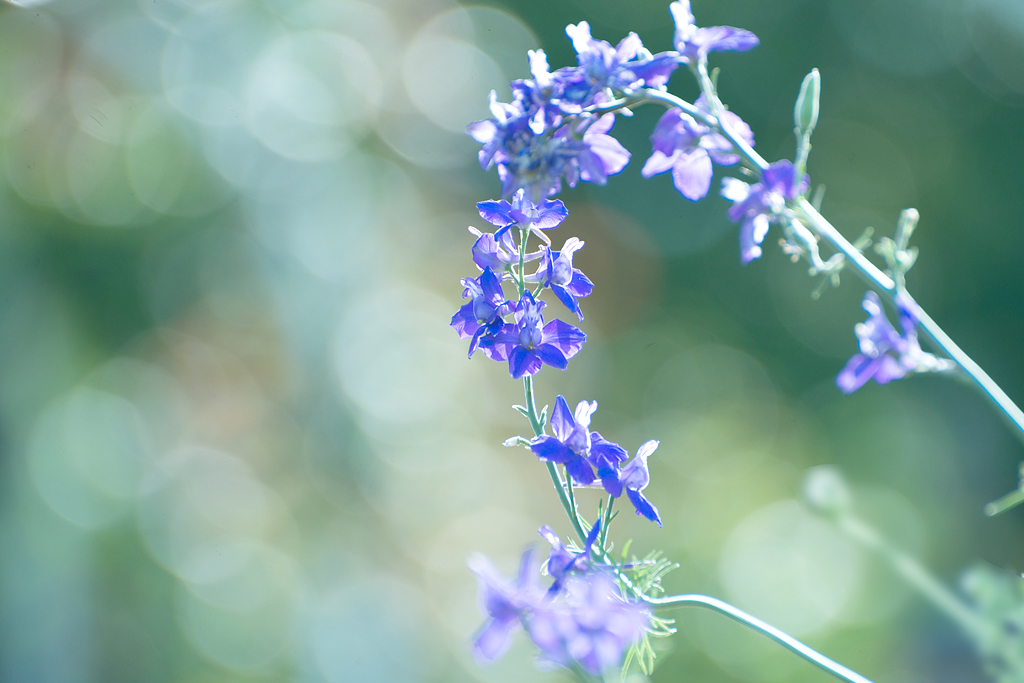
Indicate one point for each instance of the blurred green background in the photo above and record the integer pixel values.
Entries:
(240, 442)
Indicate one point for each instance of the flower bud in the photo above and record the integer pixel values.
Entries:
(905, 227)
(825, 492)
(805, 113)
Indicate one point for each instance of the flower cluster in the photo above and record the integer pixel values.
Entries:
(556, 129)
(582, 619)
(886, 354)
(525, 342)
(546, 134)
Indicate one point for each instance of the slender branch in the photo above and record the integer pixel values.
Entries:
(606, 522)
(784, 639)
(916, 575)
(869, 272)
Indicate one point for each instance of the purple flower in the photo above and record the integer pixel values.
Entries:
(482, 316)
(544, 97)
(589, 624)
(504, 602)
(557, 273)
(687, 147)
(489, 252)
(521, 211)
(529, 343)
(625, 67)
(760, 204)
(537, 161)
(561, 562)
(599, 155)
(695, 43)
(636, 477)
(579, 449)
(885, 354)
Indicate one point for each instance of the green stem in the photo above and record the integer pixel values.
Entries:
(784, 639)
(911, 571)
(605, 523)
(556, 478)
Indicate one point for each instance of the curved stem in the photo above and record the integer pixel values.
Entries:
(784, 639)
(884, 285)
(869, 272)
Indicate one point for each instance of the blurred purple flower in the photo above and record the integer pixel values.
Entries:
(625, 67)
(759, 205)
(537, 161)
(636, 477)
(556, 272)
(504, 602)
(482, 315)
(589, 624)
(695, 43)
(561, 562)
(687, 147)
(579, 449)
(885, 354)
(529, 343)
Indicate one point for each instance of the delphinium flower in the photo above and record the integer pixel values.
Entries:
(529, 344)
(886, 354)
(589, 624)
(557, 273)
(760, 204)
(544, 135)
(489, 252)
(561, 561)
(623, 68)
(579, 449)
(694, 44)
(504, 602)
(522, 212)
(537, 162)
(687, 148)
(635, 478)
(482, 316)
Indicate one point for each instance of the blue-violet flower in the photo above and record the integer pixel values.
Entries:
(885, 354)
(579, 449)
(537, 162)
(522, 212)
(561, 562)
(687, 147)
(529, 343)
(695, 43)
(635, 478)
(625, 67)
(760, 204)
(504, 602)
(482, 315)
(556, 272)
(589, 623)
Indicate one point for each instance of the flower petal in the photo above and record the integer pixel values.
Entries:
(692, 174)
(562, 422)
(494, 639)
(550, 449)
(581, 471)
(644, 507)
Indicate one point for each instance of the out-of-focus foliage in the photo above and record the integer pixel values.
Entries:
(240, 442)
